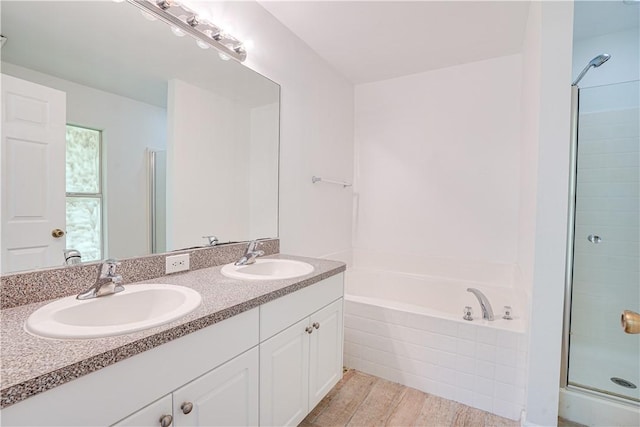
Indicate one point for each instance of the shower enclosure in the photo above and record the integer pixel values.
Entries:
(603, 277)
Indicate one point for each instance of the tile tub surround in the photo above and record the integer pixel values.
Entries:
(474, 364)
(31, 365)
(41, 285)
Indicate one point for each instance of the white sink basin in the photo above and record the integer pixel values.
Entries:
(268, 269)
(136, 308)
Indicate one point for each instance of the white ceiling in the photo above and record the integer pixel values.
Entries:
(375, 40)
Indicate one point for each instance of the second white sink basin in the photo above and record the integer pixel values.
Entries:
(136, 308)
(268, 269)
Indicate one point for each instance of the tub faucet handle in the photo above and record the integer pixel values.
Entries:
(508, 313)
(468, 313)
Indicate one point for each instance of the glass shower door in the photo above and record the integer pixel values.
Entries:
(606, 255)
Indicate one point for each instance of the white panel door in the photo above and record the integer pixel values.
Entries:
(284, 377)
(33, 174)
(156, 414)
(325, 358)
(226, 396)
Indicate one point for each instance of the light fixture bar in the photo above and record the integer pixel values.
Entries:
(194, 27)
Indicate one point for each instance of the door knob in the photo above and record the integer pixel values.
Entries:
(630, 321)
(316, 325)
(166, 420)
(57, 233)
(186, 407)
(308, 329)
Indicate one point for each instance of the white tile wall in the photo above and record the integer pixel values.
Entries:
(472, 364)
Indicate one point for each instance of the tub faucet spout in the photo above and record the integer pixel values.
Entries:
(485, 305)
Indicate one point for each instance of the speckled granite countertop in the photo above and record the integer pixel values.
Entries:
(31, 365)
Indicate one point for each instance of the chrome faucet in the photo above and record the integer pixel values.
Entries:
(485, 305)
(107, 283)
(251, 253)
(72, 257)
(212, 240)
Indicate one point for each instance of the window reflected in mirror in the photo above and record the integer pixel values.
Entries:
(84, 192)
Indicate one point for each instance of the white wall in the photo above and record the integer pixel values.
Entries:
(208, 140)
(624, 65)
(316, 130)
(438, 167)
(530, 121)
(548, 52)
(263, 184)
(129, 127)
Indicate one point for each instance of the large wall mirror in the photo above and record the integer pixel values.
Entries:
(120, 138)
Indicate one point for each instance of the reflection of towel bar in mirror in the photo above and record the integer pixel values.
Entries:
(315, 179)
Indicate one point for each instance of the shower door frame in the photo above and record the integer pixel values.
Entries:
(571, 219)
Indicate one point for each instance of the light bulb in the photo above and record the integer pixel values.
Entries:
(223, 56)
(177, 31)
(202, 45)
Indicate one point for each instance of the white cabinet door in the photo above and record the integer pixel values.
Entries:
(151, 415)
(284, 377)
(325, 358)
(33, 175)
(226, 396)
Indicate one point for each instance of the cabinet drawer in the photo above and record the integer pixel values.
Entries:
(278, 314)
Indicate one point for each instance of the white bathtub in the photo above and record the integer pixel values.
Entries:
(409, 329)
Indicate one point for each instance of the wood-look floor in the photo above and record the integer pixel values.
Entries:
(364, 400)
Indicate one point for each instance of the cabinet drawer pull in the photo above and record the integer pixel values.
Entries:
(316, 325)
(308, 329)
(186, 407)
(166, 420)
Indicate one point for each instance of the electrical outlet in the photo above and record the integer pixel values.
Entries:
(176, 263)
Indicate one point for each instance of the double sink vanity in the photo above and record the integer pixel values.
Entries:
(259, 344)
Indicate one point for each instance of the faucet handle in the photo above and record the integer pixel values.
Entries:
(253, 245)
(109, 268)
(72, 256)
(212, 240)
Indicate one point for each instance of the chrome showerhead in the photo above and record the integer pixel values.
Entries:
(595, 63)
(599, 60)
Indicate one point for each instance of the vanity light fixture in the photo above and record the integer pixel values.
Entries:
(182, 21)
